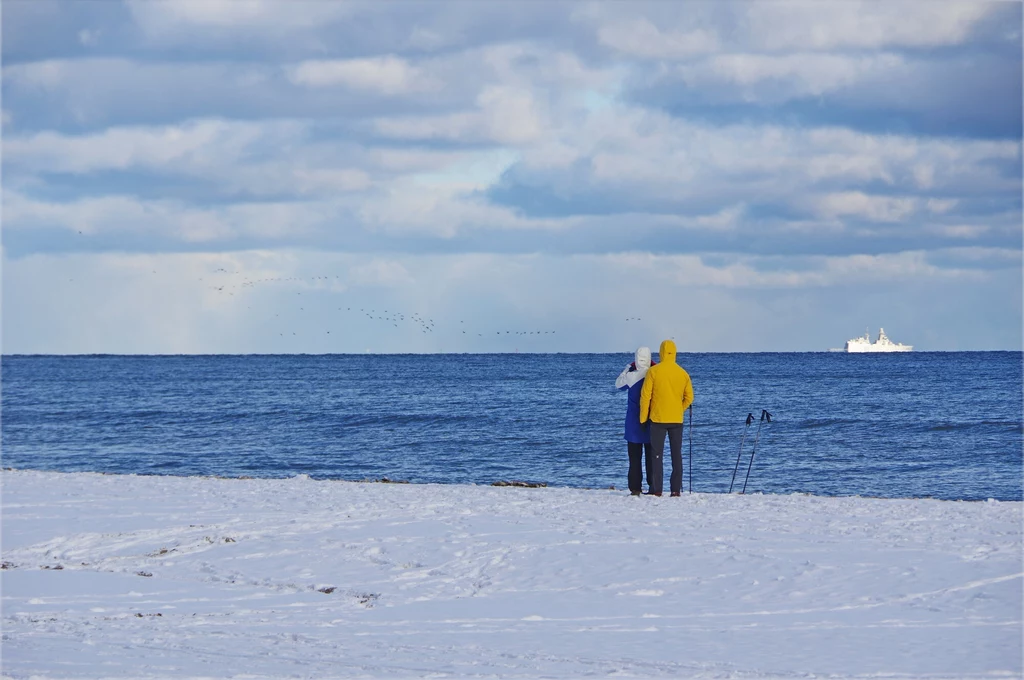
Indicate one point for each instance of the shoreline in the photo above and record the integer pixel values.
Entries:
(497, 483)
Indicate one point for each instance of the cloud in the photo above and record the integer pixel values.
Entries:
(167, 222)
(89, 38)
(172, 19)
(771, 77)
(863, 25)
(193, 143)
(964, 231)
(562, 174)
(763, 273)
(440, 209)
(629, 160)
(905, 94)
(641, 38)
(940, 206)
(50, 74)
(859, 204)
(90, 93)
(378, 272)
(503, 116)
(221, 158)
(663, 31)
(388, 75)
(342, 30)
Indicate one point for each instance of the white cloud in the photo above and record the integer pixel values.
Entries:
(234, 156)
(503, 115)
(48, 74)
(381, 272)
(861, 25)
(725, 219)
(630, 152)
(441, 209)
(327, 180)
(924, 175)
(859, 204)
(167, 219)
(1002, 256)
(389, 75)
(510, 115)
(98, 92)
(413, 158)
(964, 231)
(770, 77)
(750, 272)
(639, 37)
(196, 143)
(161, 19)
(941, 206)
(89, 38)
(624, 154)
(682, 31)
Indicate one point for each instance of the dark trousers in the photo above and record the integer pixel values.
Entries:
(636, 475)
(675, 447)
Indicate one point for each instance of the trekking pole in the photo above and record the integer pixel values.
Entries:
(750, 419)
(691, 448)
(764, 416)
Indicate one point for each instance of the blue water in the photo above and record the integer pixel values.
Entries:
(943, 425)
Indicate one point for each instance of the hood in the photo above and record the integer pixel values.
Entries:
(667, 352)
(643, 358)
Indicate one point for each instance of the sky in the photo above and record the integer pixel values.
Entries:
(235, 176)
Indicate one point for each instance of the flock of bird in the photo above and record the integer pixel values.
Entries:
(226, 282)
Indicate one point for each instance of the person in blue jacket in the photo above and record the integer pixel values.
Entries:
(638, 435)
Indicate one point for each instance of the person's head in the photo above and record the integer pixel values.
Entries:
(643, 358)
(667, 351)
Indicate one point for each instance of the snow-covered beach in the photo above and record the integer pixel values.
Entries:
(145, 577)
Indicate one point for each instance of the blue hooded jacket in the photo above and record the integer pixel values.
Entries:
(632, 379)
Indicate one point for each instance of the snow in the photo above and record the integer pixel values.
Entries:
(147, 577)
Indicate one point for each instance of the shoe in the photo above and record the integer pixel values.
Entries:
(634, 493)
(674, 493)
(654, 493)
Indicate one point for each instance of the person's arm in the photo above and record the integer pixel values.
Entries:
(687, 394)
(622, 382)
(645, 396)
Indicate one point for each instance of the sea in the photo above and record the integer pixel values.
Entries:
(945, 425)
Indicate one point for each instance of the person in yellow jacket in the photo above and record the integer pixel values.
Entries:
(666, 395)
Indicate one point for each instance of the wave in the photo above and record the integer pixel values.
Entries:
(994, 424)
(814, 423)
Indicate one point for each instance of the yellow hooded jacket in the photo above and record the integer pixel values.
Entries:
(667, 390)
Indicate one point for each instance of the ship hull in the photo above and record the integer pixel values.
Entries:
(872, 349)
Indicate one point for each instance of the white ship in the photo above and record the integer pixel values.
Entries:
(882, 344)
